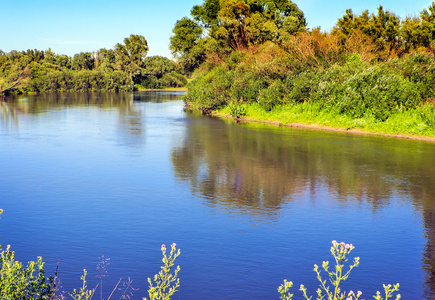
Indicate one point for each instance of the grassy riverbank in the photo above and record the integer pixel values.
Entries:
(410, 124)
(394, 97)
(374, 72)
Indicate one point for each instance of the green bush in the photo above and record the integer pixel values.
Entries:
(246, 86)
(81, 81)
(271, 96)
(373, 91)
(210, 90)
(418, 69)
(301, 86)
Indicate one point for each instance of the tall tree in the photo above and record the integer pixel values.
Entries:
(186, 36)
(130, 55)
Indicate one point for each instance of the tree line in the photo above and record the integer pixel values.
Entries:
(262, 52)
(123, 68)
(217, 28)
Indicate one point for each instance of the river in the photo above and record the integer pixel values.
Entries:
(249, 205)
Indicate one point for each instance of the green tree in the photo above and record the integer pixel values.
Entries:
(186, 35)
(105, 60)
(158, 66)
(130, 55)
(187, 44)
(207, 13)
(219, 27)
(381, 29)
(83, 61)
(415, 33)
(428, 23)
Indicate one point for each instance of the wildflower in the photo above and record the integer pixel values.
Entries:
(359, 293)
(342, 244)
(174, 244)
(334, 242)
(163, 246)
(347, 246)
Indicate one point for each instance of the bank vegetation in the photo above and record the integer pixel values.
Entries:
(257, 58)
(124, 68)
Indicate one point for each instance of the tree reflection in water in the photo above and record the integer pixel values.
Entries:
(260, 169)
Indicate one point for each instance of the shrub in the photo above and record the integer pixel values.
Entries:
(375, 91)
(246, 86)
(271, 96)
(211, 90)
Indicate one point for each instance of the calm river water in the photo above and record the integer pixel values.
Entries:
(119, 174)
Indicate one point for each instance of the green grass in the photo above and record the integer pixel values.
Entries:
(418, 122)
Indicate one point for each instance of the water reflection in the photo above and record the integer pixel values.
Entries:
(260, 169)
(14, 108)
(157, 96)
(263, 167)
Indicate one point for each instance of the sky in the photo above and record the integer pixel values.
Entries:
(73, 26)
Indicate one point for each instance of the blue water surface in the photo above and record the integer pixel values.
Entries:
(86, 175)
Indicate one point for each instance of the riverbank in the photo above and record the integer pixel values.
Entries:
(406, 125)
(164, 90)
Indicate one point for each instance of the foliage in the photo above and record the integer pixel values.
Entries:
(376, 91)
(160, 72)
(165, 282)
(210, 91)
(353, 88)
(220, 27)
(371, 66)
(131, 54)
(237, 110)
(110, 70)
(340, 252)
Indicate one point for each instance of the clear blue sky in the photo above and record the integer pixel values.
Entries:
(73, 26)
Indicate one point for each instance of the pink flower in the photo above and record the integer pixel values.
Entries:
(334, 242)
(174, 245)
(342, 244)
(359, 293)
(163, 246)
(347, 246)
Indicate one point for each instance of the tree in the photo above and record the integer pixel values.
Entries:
(82, 61)
(381, 29)
(428, 22)
(187, 44)
(415, 33)
(158, 66)
(186, 36)
(130, 55)
(207, 13)
(238, 24)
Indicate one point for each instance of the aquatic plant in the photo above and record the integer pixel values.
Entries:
(340, 252)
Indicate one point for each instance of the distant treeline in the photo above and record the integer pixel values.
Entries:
(123, 68)
(261, 51)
